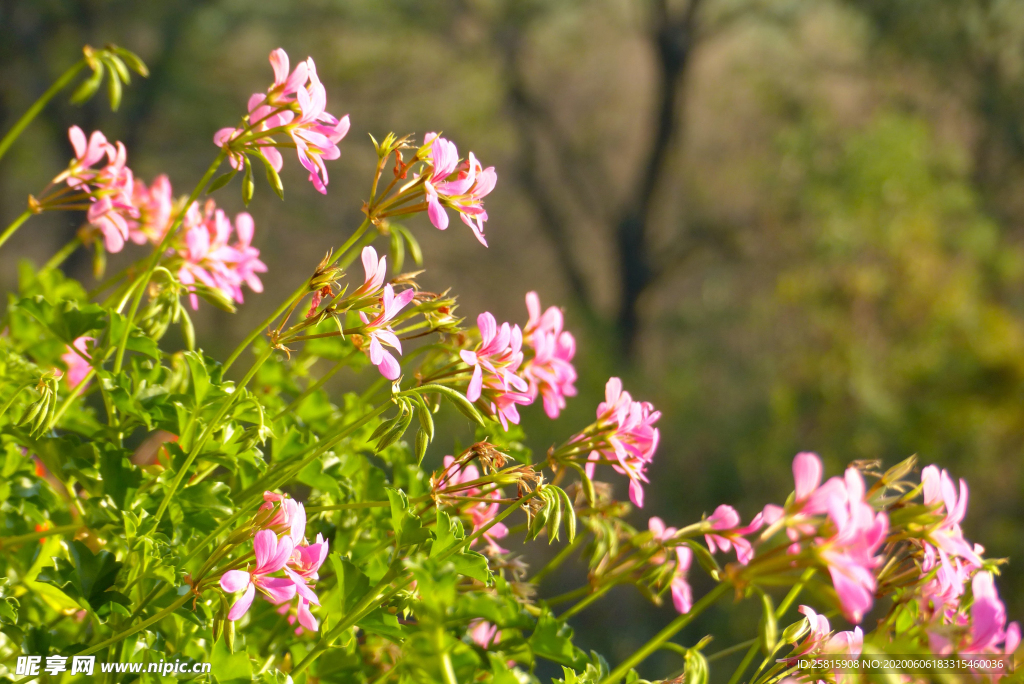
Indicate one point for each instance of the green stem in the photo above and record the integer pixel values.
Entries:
(664, 635)
(155, 259)
(38, 105)
(313, 387)
(779, 612)
(32, 536)
(75, 393)
(65, 251)
(299, 293)
(229, 400)
(559, 558)
(15, 224)
(374, 598)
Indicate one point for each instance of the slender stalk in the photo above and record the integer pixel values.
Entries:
(313, 387)
(38, 105)
(15, 224)
(32, 536)
(75, 393)
(373, 598)
(207, 433)
(779, 612)
(664, 635)
(155, 259)
(299, 293)
(559, 558)
(62, 255)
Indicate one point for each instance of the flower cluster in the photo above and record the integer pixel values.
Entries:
(285, 565)
(682, 595)
(459, 186)
(495, 362)
(106, 190)
(624, 437)
(550, 372)
(455, 479)
(205, 253)
(295, 105)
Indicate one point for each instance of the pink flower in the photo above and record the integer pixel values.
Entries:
(499, 353)
(482, 633)
(943, 591)
(550, 372)
(283, 515)
(375, 270)
(850, 552)
(109, 218)
(947, 535)
(728, 533)
(208, 258)
(810, 498)
(87, 153)
(295, 104)
(988, 631)
(155, 205)
(682, 594)
(78, 367)
(624, 434)
(380, 333)
(459, 187)
(480, 512)
(271, 556)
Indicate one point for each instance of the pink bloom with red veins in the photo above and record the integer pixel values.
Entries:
(482, 633)
(77, 366)
(550, 372)
(682, 594)
(625, 434)
(729, 534)
(850, 552)
(947, 535)
(316, 133)
(380, 333)
(271, 555)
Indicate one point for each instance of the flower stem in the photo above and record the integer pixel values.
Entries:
(229, 400)
(779, 612)
(65, 251)
(15, 224)
(38, 105)
(155, 259)
(664, 635)
(299, 293)
(32, 536)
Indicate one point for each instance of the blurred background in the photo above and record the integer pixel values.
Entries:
(790, 225)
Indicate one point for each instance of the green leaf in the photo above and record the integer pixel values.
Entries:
(120, 476)
(220, 181)
(200, 376)
(88, 577)
(408, 527)
(65, 320)
(552, 639)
